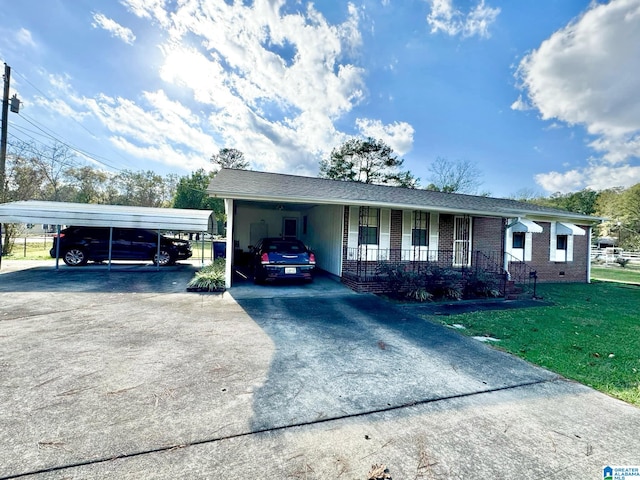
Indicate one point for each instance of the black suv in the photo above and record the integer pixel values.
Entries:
(78, 245)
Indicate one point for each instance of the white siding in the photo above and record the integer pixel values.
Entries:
(324, 236)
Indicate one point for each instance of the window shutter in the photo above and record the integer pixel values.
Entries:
(407, 223)
(434, 233)
(553, 242)
(352, 237)
(528, 247)
(569, 248)
(385, 228)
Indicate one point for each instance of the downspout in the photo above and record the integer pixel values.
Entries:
(505, 265)
(589, 233)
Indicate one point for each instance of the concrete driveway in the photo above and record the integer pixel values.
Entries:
(123, 374)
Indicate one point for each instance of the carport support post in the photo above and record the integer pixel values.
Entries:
(110, 246)
(58, 247)
(228, 267)
(158, 253)
(202, 259)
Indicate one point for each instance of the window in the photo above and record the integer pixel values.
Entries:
(561, 242)
(518, 239)
(420, 230)
(369, 226)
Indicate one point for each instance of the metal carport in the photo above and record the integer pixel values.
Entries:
(94, 215)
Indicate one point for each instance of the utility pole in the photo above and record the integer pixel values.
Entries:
(3, 144)
(5, 120)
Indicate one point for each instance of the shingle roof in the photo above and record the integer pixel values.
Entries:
(251, 185)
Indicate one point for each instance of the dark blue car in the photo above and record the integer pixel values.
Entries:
(282, 259)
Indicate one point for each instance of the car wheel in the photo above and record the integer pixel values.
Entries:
(165, 258)
(75, 257)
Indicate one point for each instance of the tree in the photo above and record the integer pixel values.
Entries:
(89, 184)
(191, 192)
(460, 176)
(367, 161)
(140, 189)
(230, 158)
(584, 201)
(52, 163)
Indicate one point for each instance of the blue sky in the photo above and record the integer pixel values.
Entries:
(540, 95)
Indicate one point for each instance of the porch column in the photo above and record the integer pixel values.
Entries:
(589, 233)
(504, 249)
(228, 269)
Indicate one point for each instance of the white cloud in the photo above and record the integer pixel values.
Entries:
(520, 104)
(113, 27)
(25, 38)
(275, 81)
(595, 177)
(398, 135)
(584, 74)
(444, 17)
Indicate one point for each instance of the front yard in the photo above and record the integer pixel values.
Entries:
(590, 334)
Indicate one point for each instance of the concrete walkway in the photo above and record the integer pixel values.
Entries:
(125, 375)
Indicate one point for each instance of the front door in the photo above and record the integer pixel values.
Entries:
(290, 228)
(462, 241)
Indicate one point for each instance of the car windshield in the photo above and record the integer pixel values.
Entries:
(284, 246)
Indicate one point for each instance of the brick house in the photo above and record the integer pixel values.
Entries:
(354, 228)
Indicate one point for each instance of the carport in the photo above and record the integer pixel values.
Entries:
(118, 216)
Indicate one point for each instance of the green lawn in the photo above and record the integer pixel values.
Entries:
(591, 334)
(631, 273)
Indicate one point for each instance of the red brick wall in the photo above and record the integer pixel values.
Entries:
(445, 240)
(396, 229)
(548, 271)
(488, 234)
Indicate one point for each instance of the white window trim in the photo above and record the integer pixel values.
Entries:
(416, 253)
(519, 254)
(555, 254)
(369, 252)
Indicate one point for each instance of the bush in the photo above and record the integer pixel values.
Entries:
(210, 277)
(423, 285)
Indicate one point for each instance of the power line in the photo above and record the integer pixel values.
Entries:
(88, 154)
(82, 152)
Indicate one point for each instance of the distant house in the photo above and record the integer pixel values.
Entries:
(354, 228)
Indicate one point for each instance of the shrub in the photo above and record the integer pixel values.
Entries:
(211, 277)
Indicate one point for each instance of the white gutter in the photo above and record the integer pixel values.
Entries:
(531, 215)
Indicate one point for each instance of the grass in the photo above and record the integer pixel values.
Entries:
(590, 334)
(631, 273)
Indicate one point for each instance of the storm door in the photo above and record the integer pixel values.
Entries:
(461, 241)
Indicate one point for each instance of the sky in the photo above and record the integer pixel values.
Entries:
(542, 96)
